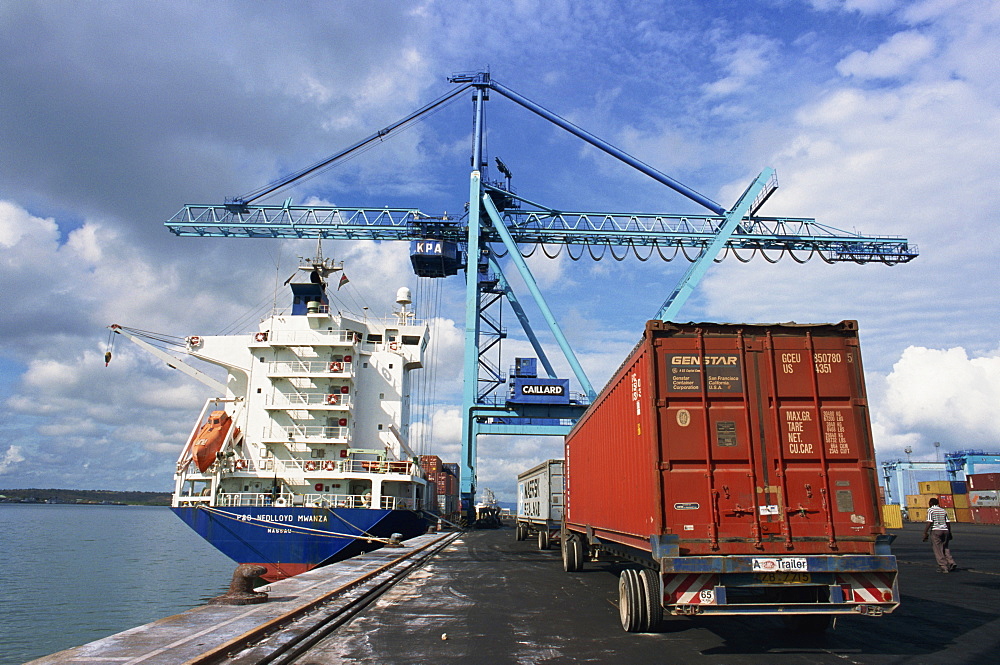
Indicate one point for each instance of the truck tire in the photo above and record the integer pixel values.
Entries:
(572, 553)
(520, 531)
(652, 590)
(543, 538)
(631, 603)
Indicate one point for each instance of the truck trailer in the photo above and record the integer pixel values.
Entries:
(731, 467)
(540, 503)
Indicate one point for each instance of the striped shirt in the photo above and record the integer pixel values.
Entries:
(938, 516)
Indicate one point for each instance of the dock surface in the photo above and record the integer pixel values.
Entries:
(486, 598)
(498, 600)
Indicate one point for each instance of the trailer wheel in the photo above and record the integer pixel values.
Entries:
(652, 591)
(572, 553)
(543, 539)
(631, 604)
(520, 531)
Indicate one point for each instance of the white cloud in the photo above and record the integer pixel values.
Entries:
(896, 57)
(12, 457)
(742, 59)
(18, 227)
(939, 394)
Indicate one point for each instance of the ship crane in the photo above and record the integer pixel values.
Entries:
(500, 223)
(171, 361)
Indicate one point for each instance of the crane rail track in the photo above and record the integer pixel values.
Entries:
(288, 636)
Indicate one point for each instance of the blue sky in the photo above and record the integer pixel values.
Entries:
(880, 116)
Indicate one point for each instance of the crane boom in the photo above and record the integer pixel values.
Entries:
(172, 362)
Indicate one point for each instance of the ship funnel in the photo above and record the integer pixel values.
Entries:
(403, 296)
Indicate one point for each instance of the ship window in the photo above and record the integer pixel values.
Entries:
(374, 339)
(412, 340)
(364, 365)
(258, 391)
(381, 395)
(390, 365)
(380, 425)
(262, 358)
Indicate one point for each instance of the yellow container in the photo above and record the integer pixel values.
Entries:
(935, 487)
(951, 514)
(963, 514)
(961, 501)
(918, 500)
(892, 516)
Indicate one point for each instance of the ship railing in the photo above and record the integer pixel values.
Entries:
(293, 433)
(380, 466)
(349, 465)
(309, 399)
(307, 337)
(310, 500)
(325, 500)
(397, 503)
(310, 367)
(192, 499)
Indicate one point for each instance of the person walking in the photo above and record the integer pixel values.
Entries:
(939, 529)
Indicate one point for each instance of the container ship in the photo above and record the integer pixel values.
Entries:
(303, 458)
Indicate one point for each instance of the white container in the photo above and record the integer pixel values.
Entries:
(540, 502)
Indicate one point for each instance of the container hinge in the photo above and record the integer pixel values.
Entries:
(753, 345)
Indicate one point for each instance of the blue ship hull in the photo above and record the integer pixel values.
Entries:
(291, 540)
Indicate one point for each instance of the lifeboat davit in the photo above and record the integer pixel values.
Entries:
(208, 441)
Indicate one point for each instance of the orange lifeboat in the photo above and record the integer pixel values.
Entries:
(208, 441)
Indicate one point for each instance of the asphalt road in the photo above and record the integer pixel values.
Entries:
(491, 599)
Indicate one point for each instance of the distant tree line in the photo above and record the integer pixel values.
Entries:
(85, 496)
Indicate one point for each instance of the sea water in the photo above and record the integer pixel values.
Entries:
(73, 574)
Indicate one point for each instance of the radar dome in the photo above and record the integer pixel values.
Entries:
(403, 296)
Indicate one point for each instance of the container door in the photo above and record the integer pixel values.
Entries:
(818, 442)
(714, 481)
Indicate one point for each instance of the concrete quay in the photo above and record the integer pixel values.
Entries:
(217, 633)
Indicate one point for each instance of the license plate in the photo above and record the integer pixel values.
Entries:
(783, 577)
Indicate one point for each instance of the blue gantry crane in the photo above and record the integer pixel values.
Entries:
(500, 224)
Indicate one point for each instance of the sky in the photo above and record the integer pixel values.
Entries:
(880, 117)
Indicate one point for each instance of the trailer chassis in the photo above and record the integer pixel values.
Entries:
(807, 590)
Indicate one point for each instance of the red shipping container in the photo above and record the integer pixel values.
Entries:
(430, 463)
(946, 501)
(984, 481)
(986, 515)
(731, 439)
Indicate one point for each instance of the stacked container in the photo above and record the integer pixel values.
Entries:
(444, 480)
(984, 497)
(951, 496)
